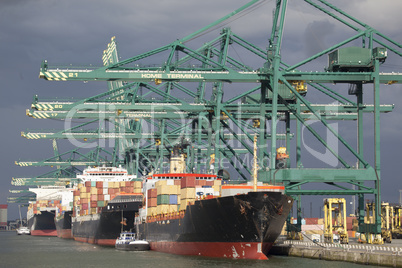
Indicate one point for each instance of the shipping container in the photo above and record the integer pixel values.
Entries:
(152, 193)
(137, 184)
(200, 182)
(173, 208)
(174, 189)
(162, 209)
(185, 202)
(162, 199)
(217, 182)
(173, 199)
(137, 190)
(310, 221)
(209, 183)
(152, 202)
(162, 189)
(160, 183)
(151, 211)
(188, 182)
(187, 193)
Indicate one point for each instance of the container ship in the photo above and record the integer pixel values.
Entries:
(41, 213)
(104, 205)
(64, 211)
(195, 214)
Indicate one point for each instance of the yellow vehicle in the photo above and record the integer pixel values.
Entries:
(335, 230)
(397, 222)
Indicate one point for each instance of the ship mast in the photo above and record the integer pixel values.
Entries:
(255, 165)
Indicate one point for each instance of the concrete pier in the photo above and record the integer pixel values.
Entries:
(383, 255)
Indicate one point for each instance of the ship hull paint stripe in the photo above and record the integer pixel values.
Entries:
(101, 242)
(44, 232)
(233, 250)
(64, 233)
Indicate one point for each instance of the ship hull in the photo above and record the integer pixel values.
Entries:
(243, 226)
(63, 225)
(105, 227)
(235, 250)
(42, 224)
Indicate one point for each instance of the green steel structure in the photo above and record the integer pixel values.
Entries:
(24, 196)
(61, 176)
(152, 109)
(95, 157)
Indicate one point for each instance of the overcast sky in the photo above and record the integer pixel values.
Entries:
(76, 32)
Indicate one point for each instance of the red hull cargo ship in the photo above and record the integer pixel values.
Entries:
(195, 214)
(41, 213)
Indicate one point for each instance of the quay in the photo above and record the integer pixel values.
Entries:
(389, 255)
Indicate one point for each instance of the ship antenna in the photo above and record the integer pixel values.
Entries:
(255, 165)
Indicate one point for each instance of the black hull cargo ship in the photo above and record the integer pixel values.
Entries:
(105, 203)
(63, 225)
(41, 212)
(103, 228)
(42, 224)
(239, 223)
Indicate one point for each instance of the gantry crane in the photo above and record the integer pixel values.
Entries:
(397, 222)
(74, 157)
(281, 96)
(387, 224)
(335, 221)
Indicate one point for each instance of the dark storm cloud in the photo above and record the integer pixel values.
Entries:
(315, 36)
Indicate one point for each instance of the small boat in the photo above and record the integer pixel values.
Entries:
(127, 241)
(23, 231)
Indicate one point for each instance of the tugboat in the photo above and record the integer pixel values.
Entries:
(128, 242)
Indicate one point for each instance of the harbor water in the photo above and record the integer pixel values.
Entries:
(34, 251)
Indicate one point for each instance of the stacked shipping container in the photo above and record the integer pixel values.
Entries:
(42, 204)
(172, 195)
(91, 196)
